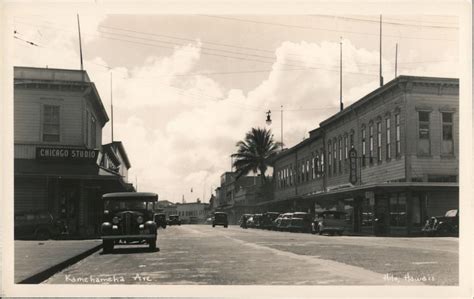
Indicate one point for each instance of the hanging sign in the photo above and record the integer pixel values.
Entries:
(353, 166)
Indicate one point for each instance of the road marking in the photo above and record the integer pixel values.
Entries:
(423, 263)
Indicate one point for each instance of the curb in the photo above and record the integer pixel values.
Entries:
(45, 274)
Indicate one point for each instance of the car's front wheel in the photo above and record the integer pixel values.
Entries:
(152, 244)
(107, 246)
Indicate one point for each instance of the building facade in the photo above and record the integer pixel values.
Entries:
(60, 164)
(390, 160)
(192, 212)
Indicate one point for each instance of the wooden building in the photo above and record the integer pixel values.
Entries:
(390, 160)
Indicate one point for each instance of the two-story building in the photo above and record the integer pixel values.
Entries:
(60, 164)
(390, 160)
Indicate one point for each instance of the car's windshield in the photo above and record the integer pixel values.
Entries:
(220, 216)
(174, 217)
(128, 205)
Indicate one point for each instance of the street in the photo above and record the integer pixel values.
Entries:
(200, 254)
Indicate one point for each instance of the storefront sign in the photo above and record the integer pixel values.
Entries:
(63, 154)
(353, 166)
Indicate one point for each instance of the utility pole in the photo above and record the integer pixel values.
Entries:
(136, 183)
(281, 127)
(396, 58)
(80, 46)
(340, 75)
(381, 77)
(111, 108)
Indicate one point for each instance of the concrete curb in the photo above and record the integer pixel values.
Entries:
(45, 274)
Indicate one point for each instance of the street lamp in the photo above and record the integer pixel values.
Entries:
(269, 120)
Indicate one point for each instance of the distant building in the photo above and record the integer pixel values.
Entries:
(238, 196)
(390, 160)
(60, 163)
(192, 212)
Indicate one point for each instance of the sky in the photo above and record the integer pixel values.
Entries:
(186, 88)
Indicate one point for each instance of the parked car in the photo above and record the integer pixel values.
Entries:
(250, 222)
(220, 218)
(300, 222)
(243, 220)
(332, 222)
(160, 220)
(268, 219)
(39, 225)
(284, 222)
(129, 217)
(258, 219)
(443, 225)
(277, 222)
(174, 220)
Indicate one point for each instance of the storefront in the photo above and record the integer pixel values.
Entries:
(67, 183)
(391, 208)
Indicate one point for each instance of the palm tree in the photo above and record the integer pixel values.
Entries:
(253, 152)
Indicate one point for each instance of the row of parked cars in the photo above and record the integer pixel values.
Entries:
(331, 222)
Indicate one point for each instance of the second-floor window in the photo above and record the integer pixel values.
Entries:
(93, 132)
(363, 146)
(340, 154)
(322, 161)
(397, 135)
(379, 141)
(346, 150)
(307, 170)
(424, 133)
(329, 159)
(334, 157)
(50, 123)
(371, 144)
(388, 153)
(447, 147)
(313, 168)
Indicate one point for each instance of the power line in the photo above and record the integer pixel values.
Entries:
(385, 22)
(322, 29)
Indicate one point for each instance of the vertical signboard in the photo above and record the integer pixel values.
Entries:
(353, 166)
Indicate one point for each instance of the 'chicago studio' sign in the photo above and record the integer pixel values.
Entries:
(66, 154)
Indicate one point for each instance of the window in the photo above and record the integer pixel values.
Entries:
(340, 154)
(50, 123)
(318, 166)
(313, 168)
(398, 207)
(346, 150)
(329, 158)
(424, 133)
(447, 147)
(322, 161)
(363, 146)
(397, 135)
(388, 153)
(290, 174)
(334, 157)
(93, 132)
(307, 170)
(371, 143)
(379, 141)
(87, 128)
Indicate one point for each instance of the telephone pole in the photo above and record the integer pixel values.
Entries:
(80, 47)
(381, 77)
(396, 58)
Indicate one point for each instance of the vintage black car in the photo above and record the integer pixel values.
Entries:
(268, 220)
(39, 225)
(443, 225)
(220, 218)
(174, 220)
(332, 222)
(160, 220)
(129, 217)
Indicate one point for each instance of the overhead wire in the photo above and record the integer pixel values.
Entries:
(323, 29)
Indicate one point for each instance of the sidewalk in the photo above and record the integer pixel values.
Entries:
(36, 260)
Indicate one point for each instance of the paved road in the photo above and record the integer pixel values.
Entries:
(197, 254)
